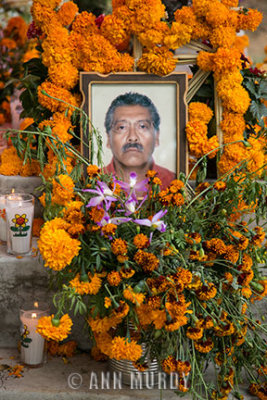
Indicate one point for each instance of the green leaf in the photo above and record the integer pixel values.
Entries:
(26, 228)
(14, 229)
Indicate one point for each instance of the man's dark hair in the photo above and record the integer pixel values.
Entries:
(132, 99)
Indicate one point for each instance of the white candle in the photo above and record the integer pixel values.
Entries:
(32, 343)
(19, 219)
(2, 218)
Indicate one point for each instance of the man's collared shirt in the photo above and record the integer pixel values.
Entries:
(164, 174)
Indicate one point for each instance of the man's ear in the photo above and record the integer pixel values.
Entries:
(157, 138)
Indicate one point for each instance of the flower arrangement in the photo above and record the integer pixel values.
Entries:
(145, 265)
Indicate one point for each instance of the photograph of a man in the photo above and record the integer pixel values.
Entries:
(132, 124)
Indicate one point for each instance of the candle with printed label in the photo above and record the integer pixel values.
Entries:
(19, 220)
(32, 343)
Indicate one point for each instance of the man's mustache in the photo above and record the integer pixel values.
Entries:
(128, 146)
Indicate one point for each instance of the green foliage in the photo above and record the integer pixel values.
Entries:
(255, 83)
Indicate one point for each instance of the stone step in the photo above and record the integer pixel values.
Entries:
(79, 379)
(25, 280)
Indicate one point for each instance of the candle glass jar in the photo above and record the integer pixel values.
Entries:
(19, 220)
(32, 349)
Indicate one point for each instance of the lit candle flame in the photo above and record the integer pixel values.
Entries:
(13, 191)
(34, 315)
(36, 305)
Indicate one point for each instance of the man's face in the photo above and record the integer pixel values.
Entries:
(132, 137)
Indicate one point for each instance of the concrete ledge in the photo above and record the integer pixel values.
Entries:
(22, 280)
(52, 382)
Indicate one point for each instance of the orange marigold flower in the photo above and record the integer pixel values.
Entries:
(229, 277)
(154, 36)
(126, 273)
(57, 92)
(193, 238)
(236, 100)
(216, 245)
(200, 7)
(169, 365)
(84, 24)
(231, 254)
(141, 241)
(146, 14)
(67, 12)
(148, 261)
(226, 60)
(96, 214)
(259, 237)
(200, 111)
(178, 199)
(158, 61)
(63, 190)
(63, 74)
(206, 292)
(119, 247)
(223, 36)
(224, 330)
(194, 333)
(217, 14)
(72, 212)
(246, 292)
(249, 20)
(37, 225)
(107, 302)
(17, 30)
(123, 349)
(109, 230)
(91, 287)
(204, 346)
(205, 61)
(114, 278)
(158, 318)
(46, 328)
(56, 246)
(92, 170)
(220, 186)
(114, 29)
(136, 298)
(179, 35)
(245, 278)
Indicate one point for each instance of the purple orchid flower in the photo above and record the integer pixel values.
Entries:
(104, 194)
(154, 223)
(115, 220)
(133, 185)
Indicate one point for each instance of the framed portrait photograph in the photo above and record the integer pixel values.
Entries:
(141, 119)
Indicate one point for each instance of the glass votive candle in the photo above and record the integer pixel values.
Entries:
(2, 218)
(32, 350)
(19, 220)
